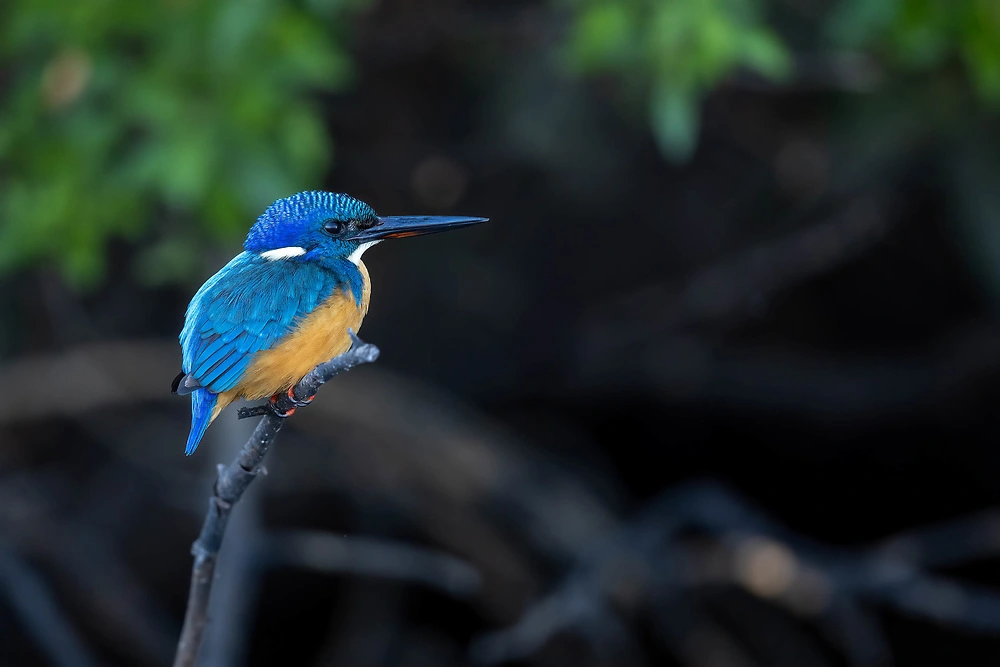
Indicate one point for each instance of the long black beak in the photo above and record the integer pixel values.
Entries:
(399, 226)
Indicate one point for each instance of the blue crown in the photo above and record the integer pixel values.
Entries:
(287, 219)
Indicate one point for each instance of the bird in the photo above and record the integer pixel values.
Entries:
(290, 301)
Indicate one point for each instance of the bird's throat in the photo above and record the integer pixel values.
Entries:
(355, 256)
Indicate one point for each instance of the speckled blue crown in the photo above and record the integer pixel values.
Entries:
(285, 219)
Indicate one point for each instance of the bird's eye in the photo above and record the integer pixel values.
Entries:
(333, 226)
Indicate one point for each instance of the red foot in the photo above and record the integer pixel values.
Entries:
(274, 408)
(295, 403)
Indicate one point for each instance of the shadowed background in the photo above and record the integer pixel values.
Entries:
(715, 386)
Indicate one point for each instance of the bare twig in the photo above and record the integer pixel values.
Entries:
(233, 480)
(236, 592)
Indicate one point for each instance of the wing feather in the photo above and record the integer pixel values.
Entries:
(247, 307)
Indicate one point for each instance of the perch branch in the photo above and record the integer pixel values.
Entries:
(234, 479)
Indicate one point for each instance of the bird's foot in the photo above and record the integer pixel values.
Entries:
(278, 412)
(292, 402)
(288, 405)
(299, 403)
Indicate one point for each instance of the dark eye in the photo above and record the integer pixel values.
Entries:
(333, 227)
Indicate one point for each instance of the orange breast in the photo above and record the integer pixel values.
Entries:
(318, 337)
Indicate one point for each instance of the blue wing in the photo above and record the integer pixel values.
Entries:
(246, 307)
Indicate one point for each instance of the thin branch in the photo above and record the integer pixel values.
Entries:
(234, 479)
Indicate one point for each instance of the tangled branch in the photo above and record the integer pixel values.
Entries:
(703, 536)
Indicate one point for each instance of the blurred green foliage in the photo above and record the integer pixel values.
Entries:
(118, 116)
(926, 34)
(172, 123)
(673, 52)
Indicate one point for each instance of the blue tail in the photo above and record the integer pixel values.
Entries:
(202, 403)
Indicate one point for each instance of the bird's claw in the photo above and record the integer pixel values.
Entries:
(299, 403)
(273, 403)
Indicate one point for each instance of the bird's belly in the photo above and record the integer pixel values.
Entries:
(319, 336)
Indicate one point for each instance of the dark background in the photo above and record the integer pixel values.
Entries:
(715, 386)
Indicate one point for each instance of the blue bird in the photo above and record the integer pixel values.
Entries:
(284, 305)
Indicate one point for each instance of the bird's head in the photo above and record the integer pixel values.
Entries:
(325, 225)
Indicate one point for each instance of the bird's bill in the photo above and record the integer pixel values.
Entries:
(401, 226)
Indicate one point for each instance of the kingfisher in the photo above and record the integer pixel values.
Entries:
(287, 303)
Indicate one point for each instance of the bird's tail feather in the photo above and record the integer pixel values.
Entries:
(202, 407)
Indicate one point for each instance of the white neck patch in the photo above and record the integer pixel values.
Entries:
(356, 255)
(283, 253)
